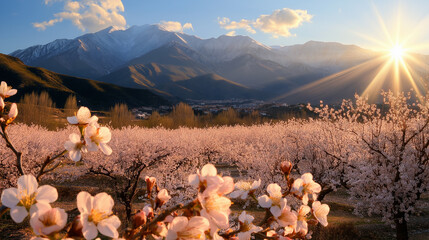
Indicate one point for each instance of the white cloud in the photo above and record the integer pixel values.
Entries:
(243, 23)
(232, 33)
(173, 26)
(278, 23)
(90, 15)
(42, 26)
(281, 21)
(188, 26)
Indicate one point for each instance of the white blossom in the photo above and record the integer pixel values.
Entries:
(75, 147)
(46, 220)
(243, 188)
(182, 228)
(274, 200)
(6, 91)
(97, 216)
(246, 226)
(82, 117)
(305, 186)
(21, 200)
(98, 137)
(320, 212)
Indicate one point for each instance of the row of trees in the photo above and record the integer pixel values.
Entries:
(184, 116)
(40, 109)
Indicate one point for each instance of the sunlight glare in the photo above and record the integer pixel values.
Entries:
(397, 52)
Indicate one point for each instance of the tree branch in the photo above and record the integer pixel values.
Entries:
(10, 145)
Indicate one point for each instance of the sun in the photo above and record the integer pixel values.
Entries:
(397, 52)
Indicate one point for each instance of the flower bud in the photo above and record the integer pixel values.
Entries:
(150, 183)
(286, 167)
(13, 112)
(148, 211)
(161, 198)
(139, 219)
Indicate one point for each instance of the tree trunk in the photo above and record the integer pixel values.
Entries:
(401, 228)
(323, 193)
(128, 210)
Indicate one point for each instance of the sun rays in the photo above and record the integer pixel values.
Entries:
(403, 69)
(392, 64)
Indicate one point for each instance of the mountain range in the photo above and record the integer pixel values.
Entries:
(89, 93)
(173, 64)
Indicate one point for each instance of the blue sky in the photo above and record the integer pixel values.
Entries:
(24, 23)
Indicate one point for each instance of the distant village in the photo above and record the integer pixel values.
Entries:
(205, 107)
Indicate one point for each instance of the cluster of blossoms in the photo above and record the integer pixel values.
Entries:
(30, 200)
(6, 117)
(92, 136)
(206, 217)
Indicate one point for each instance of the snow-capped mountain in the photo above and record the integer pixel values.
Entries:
(145, 56)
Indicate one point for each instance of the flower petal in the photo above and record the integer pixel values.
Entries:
(108, 227)
(244, 195)
(72, 120)
(171, 235)
(11, 92)
(227, 185)
(199, 222)
(103, 202)
(305, 199)
(83, 115)
(93, 120)
(320, 211)
(47, 194)
(276, 211)
(27, 184)
(105, 149)
(315, 187)
(75, 155)
(194, 180)
(84, 202)
(18, 213)
(274, 189)
(89, 230)
(105, 134)
(178, 224)
(265, 201)
(9, 197)
(256, 184)
(307, 177)
(236, 194)
(92, 146)
(297, 185)
(220, 218)
(208, 170)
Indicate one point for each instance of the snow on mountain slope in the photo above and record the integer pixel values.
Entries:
(237, 58)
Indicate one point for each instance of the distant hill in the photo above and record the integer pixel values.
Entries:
(90, 93)
(170, 70)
